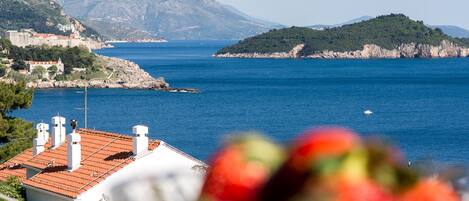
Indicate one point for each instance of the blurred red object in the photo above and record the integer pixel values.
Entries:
(326, 164)
(240, 169)
(430, 190)
(321, 143)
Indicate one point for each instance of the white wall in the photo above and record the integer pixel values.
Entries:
(160, 163)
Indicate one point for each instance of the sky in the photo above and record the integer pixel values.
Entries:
(310, 12)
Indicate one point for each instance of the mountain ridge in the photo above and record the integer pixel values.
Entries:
(181, 19)
(454, 31)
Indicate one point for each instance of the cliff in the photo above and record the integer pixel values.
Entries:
(294, 53)
(125, 74)
(411, 50)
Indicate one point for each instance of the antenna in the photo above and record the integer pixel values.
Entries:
(86, 106)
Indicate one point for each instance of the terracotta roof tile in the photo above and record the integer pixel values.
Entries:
(13, 166)
(103, 154)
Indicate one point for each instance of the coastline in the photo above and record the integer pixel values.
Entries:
(446, 49)
(126, 74)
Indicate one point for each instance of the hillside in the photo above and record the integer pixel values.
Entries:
(388, 32)
(44, 16)
(181, 19)
(80, 68)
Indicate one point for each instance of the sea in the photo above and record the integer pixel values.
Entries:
(420, 105)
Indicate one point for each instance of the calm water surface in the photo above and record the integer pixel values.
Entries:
(421, 104)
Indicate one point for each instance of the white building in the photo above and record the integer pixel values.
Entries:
(94, 165)
(27, 37)
(32, 65)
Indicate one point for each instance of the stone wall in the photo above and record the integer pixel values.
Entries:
(23, 39)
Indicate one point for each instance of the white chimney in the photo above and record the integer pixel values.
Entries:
(140, 140)
(40, 141)
(58, 131)
(73, 151)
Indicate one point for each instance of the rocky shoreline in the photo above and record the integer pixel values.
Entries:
(126, 74)
(445, 49)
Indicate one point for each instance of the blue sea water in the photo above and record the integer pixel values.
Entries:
(422, 105)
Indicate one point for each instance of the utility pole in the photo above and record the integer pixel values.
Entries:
(86, 106)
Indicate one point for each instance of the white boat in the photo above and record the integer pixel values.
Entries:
(368, 112)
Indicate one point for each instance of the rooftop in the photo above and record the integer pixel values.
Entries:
(13, 166)
(103, 154)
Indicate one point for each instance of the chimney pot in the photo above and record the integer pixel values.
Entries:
(58, 131)
(43, 131)
(140, 140)
(40, 141)
(73, 151)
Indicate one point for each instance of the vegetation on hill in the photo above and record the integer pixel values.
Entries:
(15, 134)
(388, 31)
(75, 57)
(41, 15)
(71, 57)
(15, 14)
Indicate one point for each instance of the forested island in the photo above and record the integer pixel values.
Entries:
(389, 36)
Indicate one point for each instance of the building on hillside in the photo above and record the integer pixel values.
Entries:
(90, 165)
(32, 65)
(27, 37)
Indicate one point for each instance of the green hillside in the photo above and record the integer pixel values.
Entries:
(41, 15)
(388, 31)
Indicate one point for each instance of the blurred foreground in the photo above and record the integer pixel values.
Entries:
(326, 164)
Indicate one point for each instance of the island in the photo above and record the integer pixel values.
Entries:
(388, 36)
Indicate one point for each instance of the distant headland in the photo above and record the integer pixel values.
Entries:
(137, 40)
(389, 36)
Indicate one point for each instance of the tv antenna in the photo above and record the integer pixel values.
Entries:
(85, 106)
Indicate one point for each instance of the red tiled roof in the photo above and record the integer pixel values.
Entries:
(13, 166)
(102, 155)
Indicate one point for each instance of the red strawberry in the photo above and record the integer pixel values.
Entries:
(322, 143)
(430, 190)
(239, 170)
(365, 190)
(321, 149)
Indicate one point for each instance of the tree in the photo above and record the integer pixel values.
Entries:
(16, 134)
(39, 72)
(12, 188)
(52, 71)
(13, 97)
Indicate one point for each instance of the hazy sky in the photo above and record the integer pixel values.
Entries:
(309, 12)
